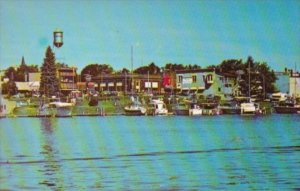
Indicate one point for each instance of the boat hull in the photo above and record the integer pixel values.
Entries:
(230, 111)
(130, 112)
(287, 110)
(181, 111)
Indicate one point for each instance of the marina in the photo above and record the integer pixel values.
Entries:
(131, 106)
(163, 95)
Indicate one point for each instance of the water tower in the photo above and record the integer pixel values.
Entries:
(58, 38)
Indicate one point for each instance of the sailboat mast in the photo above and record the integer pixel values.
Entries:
(249, 93)
(295, 79)
(132, 84)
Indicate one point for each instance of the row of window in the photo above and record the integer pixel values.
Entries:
(193, 79)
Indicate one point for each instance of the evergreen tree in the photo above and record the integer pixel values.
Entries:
(49, 82)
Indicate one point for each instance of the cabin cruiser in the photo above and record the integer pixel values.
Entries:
(135, 108)
(288, 106)
(157, 107)
(62, 109)
(210, 108)
(248, 108)
(195, 110)
(181, 109)
(55, 108)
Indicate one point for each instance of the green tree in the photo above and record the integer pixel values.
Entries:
(10, 73)
(9, 88)
(174, 67)
(123, 71)
(96, 70)
(49, 81)
(23, 70)
(151, 68)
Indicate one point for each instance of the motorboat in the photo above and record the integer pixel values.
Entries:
(181, 109)
(157, 107)
(287, 107)
(229, 108)
(61, 109)
(195, 109)
(210, 108)
(248, 108)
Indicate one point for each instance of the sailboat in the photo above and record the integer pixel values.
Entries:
(135, 108)
(248, 108)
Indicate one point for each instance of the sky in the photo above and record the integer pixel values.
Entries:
(198, 32)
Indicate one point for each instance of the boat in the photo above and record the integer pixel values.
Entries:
(157, 107)
(248, 108)
(181, 109)
(229, 108)
(195, 109)
(210, 108)
(61, 109)
(135, 108)
(288, 107)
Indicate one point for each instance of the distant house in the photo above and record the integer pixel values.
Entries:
(34, 77)
(67, 79)
(206, 82)
(31, 84)
(24, 87)
(294, 84)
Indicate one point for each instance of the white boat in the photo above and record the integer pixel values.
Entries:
(157, 107)
(135, 108)
(61, 109)
(248, 108)
(195, 110)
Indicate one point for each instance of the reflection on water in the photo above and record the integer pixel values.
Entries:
(152, 153)
(51, 163)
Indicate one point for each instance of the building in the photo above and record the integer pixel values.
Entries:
(206, 82)
(294, 84)
(67, 79)
(34, 77)
(169, 81)
(24, 87)
(127, 83)
(31, 84)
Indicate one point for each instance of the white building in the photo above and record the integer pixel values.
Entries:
(294, 84)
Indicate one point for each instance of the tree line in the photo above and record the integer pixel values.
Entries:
(49, 85)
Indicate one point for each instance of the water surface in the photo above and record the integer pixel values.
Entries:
(151, 153)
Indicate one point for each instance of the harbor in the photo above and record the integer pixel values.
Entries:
(162, 95)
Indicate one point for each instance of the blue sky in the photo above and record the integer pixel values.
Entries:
(160, 31)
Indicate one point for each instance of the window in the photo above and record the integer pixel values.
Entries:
(180, 79)
(219, 89)
(194, 78)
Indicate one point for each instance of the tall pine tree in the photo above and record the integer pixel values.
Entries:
(49, 82)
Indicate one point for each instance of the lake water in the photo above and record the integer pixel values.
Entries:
(151, 153)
